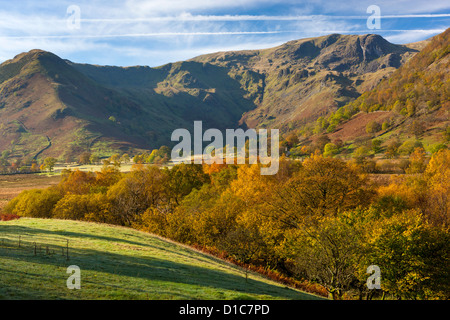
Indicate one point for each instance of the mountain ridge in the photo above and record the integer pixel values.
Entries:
(108, 109)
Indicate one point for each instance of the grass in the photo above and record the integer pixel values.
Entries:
(118, 263)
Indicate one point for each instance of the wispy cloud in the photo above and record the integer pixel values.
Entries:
(134, 31)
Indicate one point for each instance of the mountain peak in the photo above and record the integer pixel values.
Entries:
(29, 55)
(283, 87)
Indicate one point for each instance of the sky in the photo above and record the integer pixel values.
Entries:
(153, 33)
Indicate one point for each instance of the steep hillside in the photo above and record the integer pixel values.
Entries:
(306, 78)
(54, 107)
(413, 103)
(48, 105)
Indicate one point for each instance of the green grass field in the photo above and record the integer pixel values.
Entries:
(117, 263)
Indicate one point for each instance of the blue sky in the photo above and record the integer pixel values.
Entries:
(153, 33)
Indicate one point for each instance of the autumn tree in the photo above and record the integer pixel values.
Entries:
(77, 182)
(330, 150)
(417, 161)
(392, 149)
(85, 158)
(182, 178)
(136, 192)
(92, 207)
(376, 145)
(322, 187)
(417, 128)
(34, 203)
(437, 175)
(321, 142)
(94, 159)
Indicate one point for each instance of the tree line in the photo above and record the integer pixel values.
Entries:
(322, 220)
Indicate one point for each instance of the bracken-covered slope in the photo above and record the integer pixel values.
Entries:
(54, 107)
(414, 101)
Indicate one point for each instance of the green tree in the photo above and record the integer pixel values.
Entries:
(413, 257)
(376, 145)
(49, 163)
(34, 203)
(94, 159)
(327, 251)
(330, 150)
(373, 127)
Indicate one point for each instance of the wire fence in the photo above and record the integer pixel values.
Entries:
(31, 245)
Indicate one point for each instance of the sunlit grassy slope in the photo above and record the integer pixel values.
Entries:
(117, 263)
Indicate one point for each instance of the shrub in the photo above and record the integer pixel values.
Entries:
(8, 216)
(34, 203)
(84, 207)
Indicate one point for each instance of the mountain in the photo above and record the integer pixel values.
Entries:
(307, 78)
(413, 103)
(52, 107)
(55, 107)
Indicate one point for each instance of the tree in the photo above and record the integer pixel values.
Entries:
(376, 145)
(183, 178)
(85, 158)
(94, 159)
(446, 134)
(413, 258)
(322, 187)
(83, 207)
(34, 166)
(138, 191)
(360, 154)
(77, 182)
(291, 140)
(34, 203)
(409, 146)
(392, 149)
(321, 141)
(49, 163)
(330, 150)
(417, 161)
(116, 160)
(373, 127)
(125, 158)
(437, 175)
(327, 251)
(417, 128)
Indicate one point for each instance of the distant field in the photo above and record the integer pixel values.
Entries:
(12, 185)
(117, 263)
(88, 167)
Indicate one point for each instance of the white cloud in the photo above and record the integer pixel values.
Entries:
(409, 36)
(183, 29)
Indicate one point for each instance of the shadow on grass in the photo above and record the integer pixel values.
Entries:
(147, 266)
